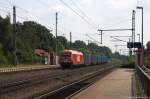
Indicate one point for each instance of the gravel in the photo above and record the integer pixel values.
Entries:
(57, 77)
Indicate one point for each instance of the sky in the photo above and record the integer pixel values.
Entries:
(84, 17)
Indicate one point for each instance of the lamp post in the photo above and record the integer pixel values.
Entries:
(139, 36)
(142, 23)
(142, 53)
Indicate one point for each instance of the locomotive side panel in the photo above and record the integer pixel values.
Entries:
(70, 58)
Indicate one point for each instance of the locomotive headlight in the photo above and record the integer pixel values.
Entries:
(65, 60)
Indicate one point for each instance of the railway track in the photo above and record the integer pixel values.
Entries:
(63, 76)
(7, 87)
(69, 90)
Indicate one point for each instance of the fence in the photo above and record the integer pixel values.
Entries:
(144, 77)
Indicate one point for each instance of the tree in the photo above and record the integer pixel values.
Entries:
(6, 40)
(147, 51)
(93, 48)
(62, 41)
(79, 45)
(147, 54)
(106, 51)
(30, 36)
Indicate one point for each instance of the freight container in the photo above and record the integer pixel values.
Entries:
(86, 58)
(94, 59)
(90, 59)
(99, 59)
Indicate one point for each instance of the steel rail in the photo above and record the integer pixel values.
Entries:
(27, 82)
(9, 86)
(15, 86)
(55, 93)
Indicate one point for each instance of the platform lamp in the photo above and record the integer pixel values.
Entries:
(142, 23)
(142, 58)
(139, 36)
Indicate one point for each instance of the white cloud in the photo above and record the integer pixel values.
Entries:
(105, 13)
(57, 8)
(122, 4)
(87, 2)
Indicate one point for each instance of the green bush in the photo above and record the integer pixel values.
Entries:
(147, 64)
(129, 64)
(3, 58)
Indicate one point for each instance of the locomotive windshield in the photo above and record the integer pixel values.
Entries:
(66, 55)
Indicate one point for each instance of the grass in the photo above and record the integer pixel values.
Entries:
(115, 61)
(128, 65)
(7, 65)
(19, 65)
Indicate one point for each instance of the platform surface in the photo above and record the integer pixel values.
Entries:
(115, 85)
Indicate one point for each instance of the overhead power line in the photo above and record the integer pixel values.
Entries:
(94, 27)
(36, 18)
(45, 4)
(10, 2)
(116, 30)
(122, 36)
(117, 23)
(31, 15)
(83, 13)
(21, 17)
(39, 19)
(4, 11)
(4, 3)
(92, 39)
(120, 45)
(117, 39)
(82, 17)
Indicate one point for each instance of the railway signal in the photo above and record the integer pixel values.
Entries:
(134, 45)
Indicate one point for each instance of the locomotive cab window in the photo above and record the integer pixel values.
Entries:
(66, 55)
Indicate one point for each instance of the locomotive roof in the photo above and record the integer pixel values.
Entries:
(73, 52)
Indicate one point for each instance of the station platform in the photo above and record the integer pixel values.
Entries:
(115, 85)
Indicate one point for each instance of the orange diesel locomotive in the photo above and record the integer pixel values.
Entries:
(71, 57)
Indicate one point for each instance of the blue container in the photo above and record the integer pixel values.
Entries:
(98, 59)
(86, 57)
(104, 59)
(94, 59)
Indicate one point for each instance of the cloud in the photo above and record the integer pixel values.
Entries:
(122, 4)
(87, 2)
(57, 8)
